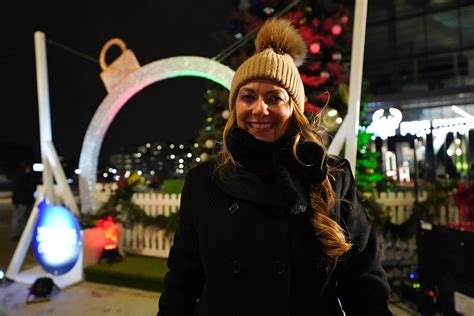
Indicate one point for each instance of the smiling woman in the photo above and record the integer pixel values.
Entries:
(263, 110)
(273, 224)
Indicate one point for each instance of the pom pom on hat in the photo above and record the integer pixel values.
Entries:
(280, 35)
(279, 50)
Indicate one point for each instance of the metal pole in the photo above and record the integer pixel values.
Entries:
(44, 112)
(355, 81)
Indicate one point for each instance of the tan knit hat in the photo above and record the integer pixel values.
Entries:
(279, 51)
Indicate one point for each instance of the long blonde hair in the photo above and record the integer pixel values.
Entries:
(322, 197)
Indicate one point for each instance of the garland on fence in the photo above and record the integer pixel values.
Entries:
(122, 209)
(429, 211)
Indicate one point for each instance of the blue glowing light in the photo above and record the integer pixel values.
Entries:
(412, 276)
(57, 239)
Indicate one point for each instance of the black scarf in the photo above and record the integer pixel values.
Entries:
(275, 164)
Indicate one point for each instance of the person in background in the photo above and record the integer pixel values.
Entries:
(24, 186)
(273, 225)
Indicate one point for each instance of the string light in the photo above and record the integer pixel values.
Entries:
(268, 11)
(315, 48)
(336, 29)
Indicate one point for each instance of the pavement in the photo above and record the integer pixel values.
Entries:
(84, 298)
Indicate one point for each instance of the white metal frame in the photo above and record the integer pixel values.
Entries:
(350, 126)
(52, 168)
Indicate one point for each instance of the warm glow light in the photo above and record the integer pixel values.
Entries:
(111, 232)
(336, 29)
(314, 48)
(332, 113)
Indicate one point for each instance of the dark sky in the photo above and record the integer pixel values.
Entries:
(168, 110)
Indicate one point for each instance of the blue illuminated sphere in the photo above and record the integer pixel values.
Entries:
(57, 240)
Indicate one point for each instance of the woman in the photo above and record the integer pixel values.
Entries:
(273, 225)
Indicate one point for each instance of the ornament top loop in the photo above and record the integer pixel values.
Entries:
(114, 41)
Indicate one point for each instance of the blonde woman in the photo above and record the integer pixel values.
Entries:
(273, 225)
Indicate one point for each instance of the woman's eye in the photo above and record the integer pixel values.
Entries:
(246, 97)
(276, 99)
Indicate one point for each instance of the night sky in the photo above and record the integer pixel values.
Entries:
(168, 110)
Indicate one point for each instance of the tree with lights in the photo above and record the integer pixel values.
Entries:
(325, 26)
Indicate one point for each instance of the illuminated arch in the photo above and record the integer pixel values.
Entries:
(159, 70)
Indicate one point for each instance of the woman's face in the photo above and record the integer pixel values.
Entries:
(263, 110)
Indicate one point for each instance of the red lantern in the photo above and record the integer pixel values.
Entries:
(111, 232)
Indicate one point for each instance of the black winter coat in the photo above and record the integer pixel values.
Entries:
(238, 252)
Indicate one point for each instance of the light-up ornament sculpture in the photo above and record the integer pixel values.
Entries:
(127, 81)
(385, 126)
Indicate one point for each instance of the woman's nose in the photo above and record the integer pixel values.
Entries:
(260, 107)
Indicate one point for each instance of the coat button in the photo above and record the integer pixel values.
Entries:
(280, 267)
(235, 267)
(233, 208)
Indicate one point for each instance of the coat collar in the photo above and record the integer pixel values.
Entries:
(282, 194)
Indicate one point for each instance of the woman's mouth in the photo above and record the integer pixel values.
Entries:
(261, 125)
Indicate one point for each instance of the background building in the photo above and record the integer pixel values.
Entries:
(419, 58)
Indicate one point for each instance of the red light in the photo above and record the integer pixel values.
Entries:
(314, 48)
(336, 29)
(431, 293)
(111, 232)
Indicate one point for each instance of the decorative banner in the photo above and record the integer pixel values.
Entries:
(57, 238)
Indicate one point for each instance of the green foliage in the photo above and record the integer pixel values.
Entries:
(366, 164)
(171, 186)
(122, 209)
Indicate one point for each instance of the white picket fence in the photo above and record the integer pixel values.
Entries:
(399, 206)
(150, 241)
(146, 241)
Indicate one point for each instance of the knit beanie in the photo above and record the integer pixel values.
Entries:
(279, 51)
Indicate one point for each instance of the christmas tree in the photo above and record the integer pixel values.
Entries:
(325, 27)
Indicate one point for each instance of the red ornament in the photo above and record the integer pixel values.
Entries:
(315, 22)
(307, 34)
(311, 108)
(335, 69)
(344, 19)
(313, 81)
(336, 30)
(315, 48)
(314, 66)
(294, 16)
(328, 24)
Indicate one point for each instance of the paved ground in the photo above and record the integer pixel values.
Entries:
(85, 298)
